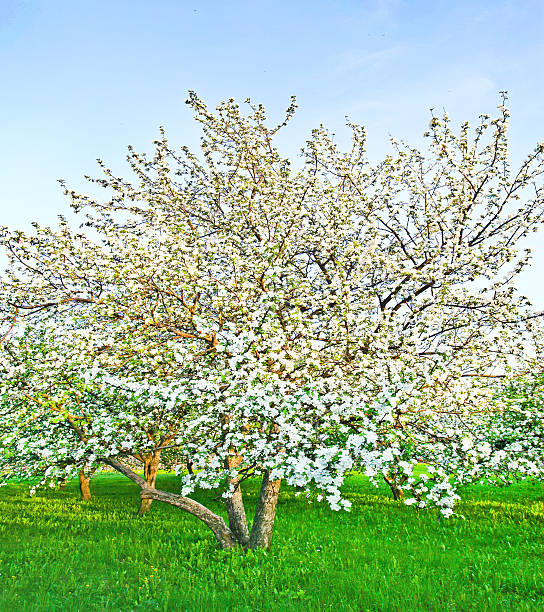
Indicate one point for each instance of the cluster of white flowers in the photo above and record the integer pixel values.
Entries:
(306, 322)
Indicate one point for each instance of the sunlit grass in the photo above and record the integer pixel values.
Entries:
(57, 553)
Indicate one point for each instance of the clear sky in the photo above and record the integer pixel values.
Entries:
(81, 79)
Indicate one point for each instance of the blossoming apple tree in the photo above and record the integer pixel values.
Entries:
(277, 321)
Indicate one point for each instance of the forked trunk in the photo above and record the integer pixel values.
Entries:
(151, 467)
(235, 505)
(263, 525)
(265, 514)
(221, 530)
(84, 486)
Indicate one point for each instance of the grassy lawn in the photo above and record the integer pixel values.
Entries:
(57, 553)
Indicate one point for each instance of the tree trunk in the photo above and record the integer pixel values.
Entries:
(398, 493)
(221, 530)
(151, 467)
(235, 504)
(84, 486)
(263, 523)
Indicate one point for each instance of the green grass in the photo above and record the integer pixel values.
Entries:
(57, 553)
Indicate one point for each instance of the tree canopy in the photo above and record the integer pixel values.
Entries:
(266, 318)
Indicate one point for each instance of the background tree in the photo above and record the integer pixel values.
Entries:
(49, 409)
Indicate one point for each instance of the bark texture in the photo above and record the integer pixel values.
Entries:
(84, 488)
(151, 467)
(221, 530)
(235, 505)
(265, 514)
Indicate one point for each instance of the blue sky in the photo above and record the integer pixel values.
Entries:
(83, 79)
